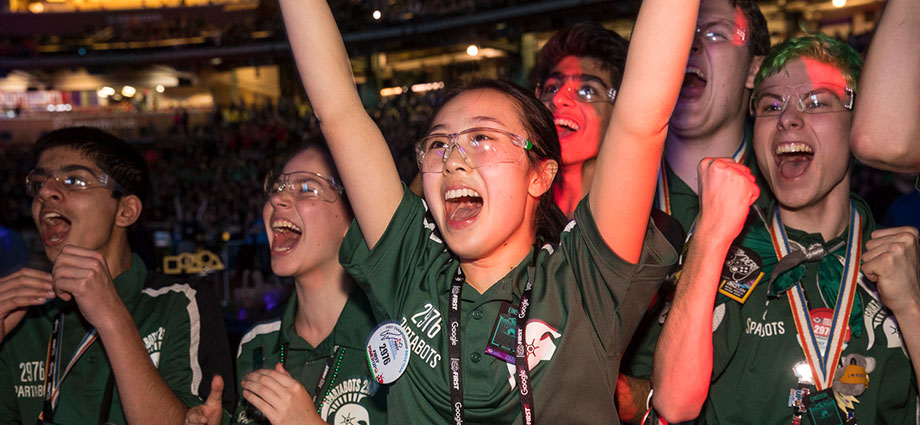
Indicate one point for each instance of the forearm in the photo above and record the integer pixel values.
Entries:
(909, 323)
(145, 396)
(683, 356)
(360, 152)
(889, 92)
(621, 192)
(632, 396)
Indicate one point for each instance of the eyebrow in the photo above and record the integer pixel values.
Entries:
(70, 167)
(589, 77)
(477, 119)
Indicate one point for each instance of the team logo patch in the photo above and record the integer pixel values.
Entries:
(343, 404)
(539, 344)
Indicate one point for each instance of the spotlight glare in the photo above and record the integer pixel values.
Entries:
(377, 15)
(128, 91)
(160, 88)
(472, 50)
(839, 3)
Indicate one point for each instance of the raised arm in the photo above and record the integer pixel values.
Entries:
(889, 92)
(358, 148)
(621, 193)
(726, 194)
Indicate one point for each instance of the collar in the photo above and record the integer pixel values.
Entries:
(508, 288)
(351, 329)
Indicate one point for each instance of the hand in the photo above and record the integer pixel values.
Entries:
(211, 411)
(727, 190)
(279, 397)
(891, 260)
(83, 275)
(26, 287)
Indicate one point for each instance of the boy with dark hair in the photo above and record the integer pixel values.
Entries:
(159, 339)
(709, 120)
(812, 324)
(578, 72)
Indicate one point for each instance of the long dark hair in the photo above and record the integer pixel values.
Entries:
(538, 122)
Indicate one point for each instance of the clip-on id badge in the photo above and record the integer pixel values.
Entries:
(822, 408)
(504, 333)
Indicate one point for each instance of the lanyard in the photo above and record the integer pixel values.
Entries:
(337, 354)
(663, 194)
(522, 372)
(823, 365)
(53, 375)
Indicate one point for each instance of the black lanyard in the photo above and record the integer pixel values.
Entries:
(522, 372)
(53, 375)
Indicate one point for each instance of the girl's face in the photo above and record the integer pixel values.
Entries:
(304, 233)
(483, 210)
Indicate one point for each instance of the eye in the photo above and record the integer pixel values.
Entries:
(769, 105)
(75, 181)
(551, 86)
(588, 92)
(307, 187)
(716, 32)
(818, 101)
(435, 142)
(480, 137)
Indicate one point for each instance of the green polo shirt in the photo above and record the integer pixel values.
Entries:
(685, 206)
(586, 302)
(349, 395)
(755, 345)
(168, 316)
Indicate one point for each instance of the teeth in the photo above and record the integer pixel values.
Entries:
(695, 71)
(459, 193)
(793, 148)
(281, 249)
(566, 123)
(51, 215)
(285, 225)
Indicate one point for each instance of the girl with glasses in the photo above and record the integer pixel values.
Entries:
(509, 318)
(308, 364)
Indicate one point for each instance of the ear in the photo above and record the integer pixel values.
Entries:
(129, 210)
(752, 72)
(542, 177)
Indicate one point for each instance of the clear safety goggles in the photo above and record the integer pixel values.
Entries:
(810, 98)
(478, 146)
(303, 185)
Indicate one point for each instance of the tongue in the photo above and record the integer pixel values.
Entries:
(793, 166)
(693, 81)
(464, 209)
(284, 241)
(56, 228)
(563, 131)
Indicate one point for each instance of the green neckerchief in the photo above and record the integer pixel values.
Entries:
(830, 269)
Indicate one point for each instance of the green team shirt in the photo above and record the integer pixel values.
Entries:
(685, 206)
(755, 344)
(350, 396)
(179, 323)
(586, 302)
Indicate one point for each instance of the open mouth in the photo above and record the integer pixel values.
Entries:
(565, 127)
(793, 159)
(284, 235)
(54, 227)
(462, 205)
(694, 82)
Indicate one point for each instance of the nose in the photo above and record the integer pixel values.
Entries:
(281, 199)
(455, 160)
(790, 117)
(564, 97)
(697, 46)
(51, 189)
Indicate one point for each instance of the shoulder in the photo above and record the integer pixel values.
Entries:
(261, 333)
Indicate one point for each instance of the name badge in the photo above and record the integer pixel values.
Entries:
(504, 333)
(822, 408)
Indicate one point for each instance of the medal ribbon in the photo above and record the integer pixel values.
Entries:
(663, 195)
(53, 375)
(823, 365)
(522, 372)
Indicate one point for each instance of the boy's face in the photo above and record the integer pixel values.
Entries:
(84, 218)
(580, 125)
(713, 92)
(804, 156)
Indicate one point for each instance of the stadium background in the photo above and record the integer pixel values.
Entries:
(208, 92)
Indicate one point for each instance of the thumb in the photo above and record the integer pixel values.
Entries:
(279, 367)
(217, 390)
